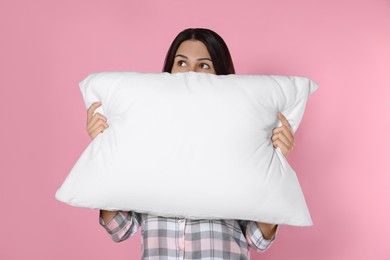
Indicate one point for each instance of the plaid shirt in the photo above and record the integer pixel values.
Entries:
(178, 238)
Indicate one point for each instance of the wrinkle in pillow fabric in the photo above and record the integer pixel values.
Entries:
(191, 145)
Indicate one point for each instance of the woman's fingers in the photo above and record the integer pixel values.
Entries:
(283, 133)
(96, 130)
(283, 136)
(96, 119)
(92, 109)
(96, 123)
(284, 121)
(283, 147)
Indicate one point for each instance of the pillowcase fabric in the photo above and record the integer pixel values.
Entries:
(191, 145)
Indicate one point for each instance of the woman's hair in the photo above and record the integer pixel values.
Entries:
(216, 46)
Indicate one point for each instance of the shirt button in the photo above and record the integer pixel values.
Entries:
(180, 221)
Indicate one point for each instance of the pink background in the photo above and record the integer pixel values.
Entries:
(342, 146)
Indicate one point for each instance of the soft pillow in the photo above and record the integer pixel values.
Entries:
(191, 145)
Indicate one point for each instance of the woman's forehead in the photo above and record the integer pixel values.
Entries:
(193, 49)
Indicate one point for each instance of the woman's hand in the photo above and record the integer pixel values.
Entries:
(96, 123)
(283, 136)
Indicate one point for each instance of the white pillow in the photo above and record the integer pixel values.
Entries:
(191, 145)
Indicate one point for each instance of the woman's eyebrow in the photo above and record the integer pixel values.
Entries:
(205, 59)
(181, 55)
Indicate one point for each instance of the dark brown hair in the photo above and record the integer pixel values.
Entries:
(215, 45)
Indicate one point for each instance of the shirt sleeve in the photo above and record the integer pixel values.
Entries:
(122, 226)
(255, 238)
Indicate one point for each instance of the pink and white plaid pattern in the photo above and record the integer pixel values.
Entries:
(178, 238)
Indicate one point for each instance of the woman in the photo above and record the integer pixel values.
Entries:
(198, 50)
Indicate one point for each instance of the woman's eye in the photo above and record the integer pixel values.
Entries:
(181, 63)
(205, 66)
